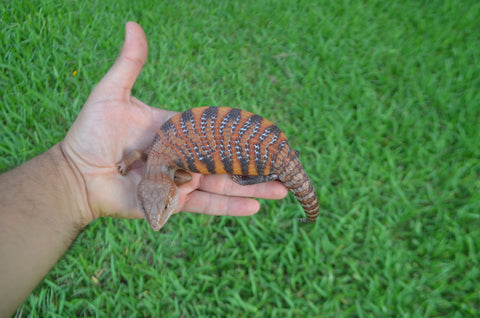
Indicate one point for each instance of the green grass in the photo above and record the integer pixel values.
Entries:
(381, 98)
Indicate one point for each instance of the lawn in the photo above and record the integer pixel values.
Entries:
(381, 98)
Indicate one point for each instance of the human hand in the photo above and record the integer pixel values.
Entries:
(112, 123)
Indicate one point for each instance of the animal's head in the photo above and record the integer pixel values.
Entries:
(157, 200)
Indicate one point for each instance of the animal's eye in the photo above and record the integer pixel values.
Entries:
(166, 206)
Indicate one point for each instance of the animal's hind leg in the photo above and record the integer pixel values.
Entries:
(248, 180)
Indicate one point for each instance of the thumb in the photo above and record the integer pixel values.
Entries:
(122, 75)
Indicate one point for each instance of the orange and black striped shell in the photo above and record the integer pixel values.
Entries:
(223, 140)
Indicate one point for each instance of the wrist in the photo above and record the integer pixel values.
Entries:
(74, 187)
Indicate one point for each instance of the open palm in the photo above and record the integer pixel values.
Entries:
(112, 123)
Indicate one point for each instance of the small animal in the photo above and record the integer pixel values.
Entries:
(217, 140)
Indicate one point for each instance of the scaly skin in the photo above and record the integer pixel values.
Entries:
(218, 140)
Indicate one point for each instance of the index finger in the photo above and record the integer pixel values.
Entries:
(224, 185)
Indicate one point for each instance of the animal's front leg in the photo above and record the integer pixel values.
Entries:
(181, 177)
(127, 161)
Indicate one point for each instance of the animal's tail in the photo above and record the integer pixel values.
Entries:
(296, 179)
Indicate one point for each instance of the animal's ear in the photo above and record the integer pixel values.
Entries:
(181, 177)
